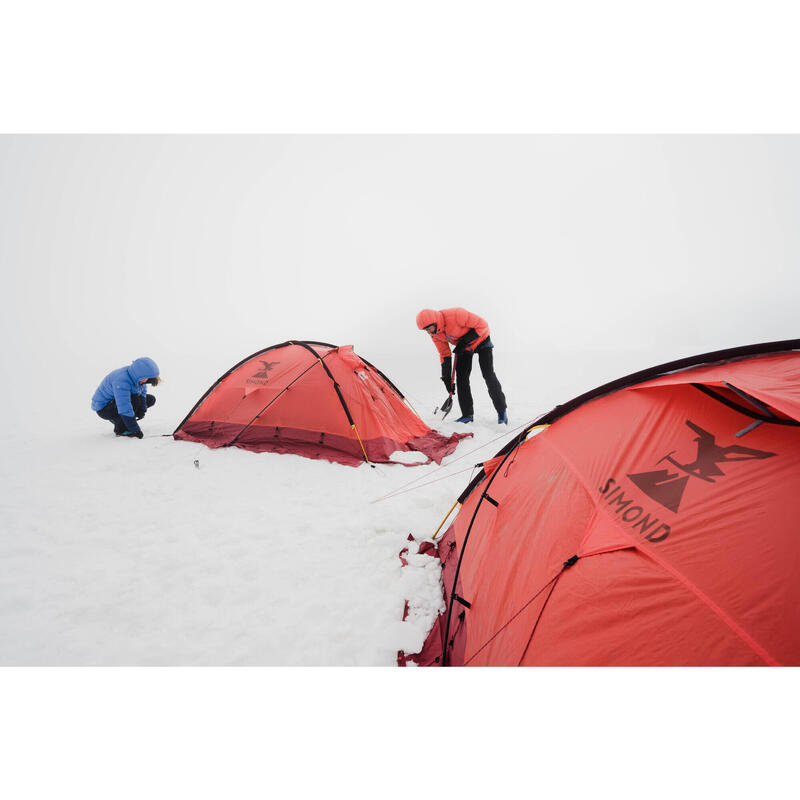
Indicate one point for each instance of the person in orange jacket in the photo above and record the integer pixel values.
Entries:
(470, 334)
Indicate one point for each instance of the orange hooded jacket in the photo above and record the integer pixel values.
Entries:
(451, 325)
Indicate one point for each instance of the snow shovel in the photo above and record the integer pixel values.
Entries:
(448, 404)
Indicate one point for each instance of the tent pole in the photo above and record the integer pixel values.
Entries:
(353, 426)
(445, 519)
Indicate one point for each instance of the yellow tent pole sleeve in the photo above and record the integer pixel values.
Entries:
(445, 519)
(353, 426)
(535, 428)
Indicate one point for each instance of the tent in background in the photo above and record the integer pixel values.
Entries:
(653, 521)
(312, 399)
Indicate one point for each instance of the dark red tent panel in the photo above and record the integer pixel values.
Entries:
(312, 399)
(654, 521)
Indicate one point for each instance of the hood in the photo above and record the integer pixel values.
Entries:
(427, 317)
(143, 368)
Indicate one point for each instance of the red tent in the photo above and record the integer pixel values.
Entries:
(653, 521)
(312, 399)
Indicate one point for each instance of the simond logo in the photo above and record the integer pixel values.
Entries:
(666, 487)
(633, 514)
(261, 375)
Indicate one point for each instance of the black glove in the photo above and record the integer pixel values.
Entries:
(465, 341)
(447, 374)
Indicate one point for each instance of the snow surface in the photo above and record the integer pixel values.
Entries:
(157, 552)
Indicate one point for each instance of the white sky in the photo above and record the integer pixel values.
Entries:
(198, 250)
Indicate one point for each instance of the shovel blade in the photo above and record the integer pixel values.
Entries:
(446, 406)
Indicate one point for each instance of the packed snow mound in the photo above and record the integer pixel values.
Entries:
(407, 457)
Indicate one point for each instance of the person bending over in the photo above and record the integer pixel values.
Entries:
(122, 398)
(469, 334)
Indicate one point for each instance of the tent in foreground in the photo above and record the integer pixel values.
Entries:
(653, 521)
(312, 399)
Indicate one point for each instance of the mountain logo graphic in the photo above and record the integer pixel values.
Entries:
(667, 486)
(266, 366)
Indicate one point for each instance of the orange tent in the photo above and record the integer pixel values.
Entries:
(653, 521)
(312, 399)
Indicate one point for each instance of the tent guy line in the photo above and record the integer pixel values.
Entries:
(402, 489)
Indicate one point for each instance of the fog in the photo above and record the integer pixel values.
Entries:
(590, 256)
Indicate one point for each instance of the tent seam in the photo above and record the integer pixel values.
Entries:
(707, 601)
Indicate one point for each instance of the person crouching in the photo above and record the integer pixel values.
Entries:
(122, 398)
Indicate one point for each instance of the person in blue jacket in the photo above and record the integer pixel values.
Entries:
(122, 396)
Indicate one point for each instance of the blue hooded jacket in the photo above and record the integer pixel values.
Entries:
(120, 384)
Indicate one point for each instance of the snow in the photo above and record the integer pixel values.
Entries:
(120, 551)
(408, 457)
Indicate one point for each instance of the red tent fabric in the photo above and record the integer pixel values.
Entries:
(653, 522)
(311, 399)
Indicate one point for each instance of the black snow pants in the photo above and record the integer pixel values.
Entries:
(140, 405)
(463, 370)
